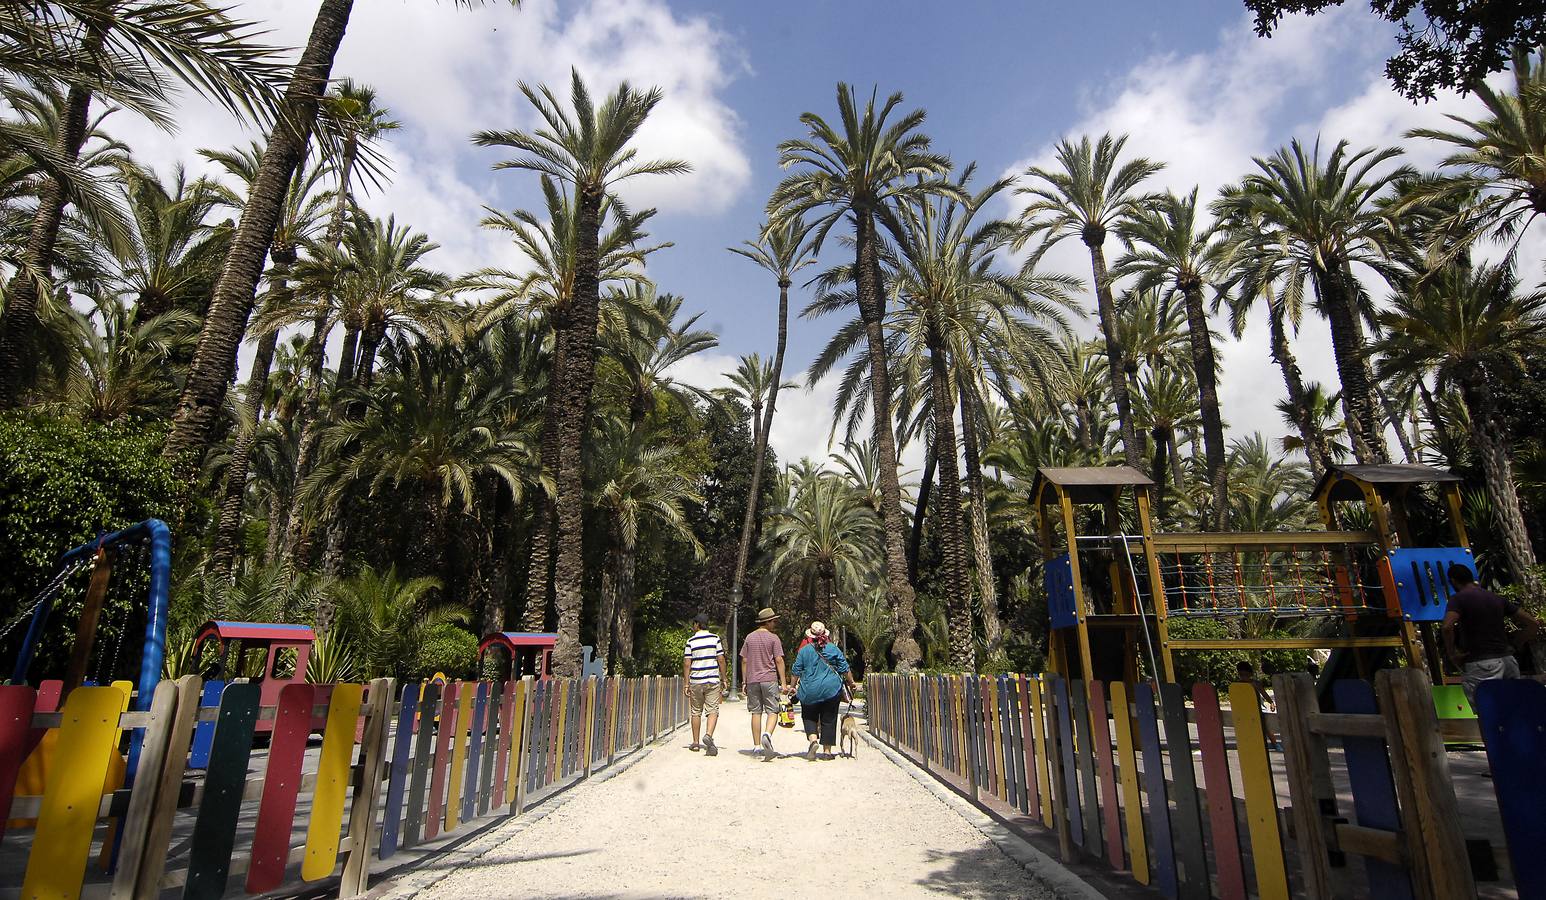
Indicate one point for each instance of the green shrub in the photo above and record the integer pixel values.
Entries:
(446, 648)
(659, 652)
(62, 483)
(1217, 667)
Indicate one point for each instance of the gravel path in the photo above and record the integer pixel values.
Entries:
(679, 824)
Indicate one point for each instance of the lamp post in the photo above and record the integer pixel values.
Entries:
(735, 621)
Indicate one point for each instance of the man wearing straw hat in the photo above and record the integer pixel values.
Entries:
(762, 659)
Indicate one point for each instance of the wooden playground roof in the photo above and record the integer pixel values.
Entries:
(1386, 474)
(1088, 484)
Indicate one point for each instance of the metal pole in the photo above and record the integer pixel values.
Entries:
(730, 652)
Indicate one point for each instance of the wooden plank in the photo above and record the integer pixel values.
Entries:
(445, 729)
(1037, 688)
(1162, 854)
(1346, 725)
(367, 794)
(1060, 755)
(1257, 540)
(514, 744)
(1031, 797)
(423, 754)
(168, 783)
(1374, 790)
(1261, 800)
(1325, 643)
(17, 702)
(1304, 759)
(1014, 746)
(226, 758)
(475, 752)
(87, 748)
(1186, 819)
(160, 720)
(1513, 716)
(521, 747)
(1132, 799)
(1221, 796)
(327, 801)
(464, 703)
(1406, 697)
(397, 776)
(493, 777)
(1376, 843)
(1084, 754)
(1111, 807)
(204, 733)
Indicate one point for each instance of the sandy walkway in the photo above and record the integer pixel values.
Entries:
(679, 824)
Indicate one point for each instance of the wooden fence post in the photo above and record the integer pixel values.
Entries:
(521, 745)
(362, 817)
(146, 787)
(158, 831)
(1304, 758)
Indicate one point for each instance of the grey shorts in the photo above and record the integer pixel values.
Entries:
(1478, 671)
(762, 698)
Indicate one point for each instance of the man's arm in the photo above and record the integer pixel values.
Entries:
(1529, 627)
(783, 675)
(1452, 619)
(722, 678)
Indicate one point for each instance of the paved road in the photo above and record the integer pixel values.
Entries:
(679, 824)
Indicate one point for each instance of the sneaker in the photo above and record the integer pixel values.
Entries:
(767, 743)
(810, 752)
(708, 746)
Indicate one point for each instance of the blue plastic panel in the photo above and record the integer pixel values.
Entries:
(1058, 578)
(1421, 585)
(1513, 718)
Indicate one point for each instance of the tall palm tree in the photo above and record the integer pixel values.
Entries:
(1316, 221)
(539, 292)
(127, 363)
(174, 251)
(783, 248)
(586, 148)
(1469, 326)
(640, 485)
(825, 539)
(214, 361)
(132, 54)
(1169, 248)
(386, 617)
(1316, 411)
(1165, 404)
(1086, 195)
(388, 288)
(858, 173)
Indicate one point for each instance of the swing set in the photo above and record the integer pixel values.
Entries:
(1363, 594)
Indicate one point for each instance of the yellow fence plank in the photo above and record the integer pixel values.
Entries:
(459, 754)
(1132, 800)
(1261, 801)
(327, 802)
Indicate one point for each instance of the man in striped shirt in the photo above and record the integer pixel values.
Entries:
(703, 669)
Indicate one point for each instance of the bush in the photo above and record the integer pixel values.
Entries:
(1217, 667)
(449, 649)
(62, 483)
(659, 652)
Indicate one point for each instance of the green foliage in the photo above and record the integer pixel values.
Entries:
(659, 652)
(445, 648)
(1217, 667)
(62, 483)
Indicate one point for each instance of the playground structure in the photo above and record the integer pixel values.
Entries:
(528, 652)
(1112, 594)
(282, 651)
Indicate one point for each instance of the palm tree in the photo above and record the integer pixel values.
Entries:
(1087, 195)
(385, 618)
(1168, 247)
(1470, 327)
(640, 484)
(588, 150)
(860, 173)
(128, 53)
(1166, 403)
(1316, 412)
(174, 253)
(539, 292)
(236, 290)
(1316, 221)
(825, 539)
(127, 367)
(387, 288)
(782, 249)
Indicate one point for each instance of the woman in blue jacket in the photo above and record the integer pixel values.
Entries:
(820, 671)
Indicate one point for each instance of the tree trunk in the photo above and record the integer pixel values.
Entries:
(298, 531)
(1492, 452)
(1084, 428)
(574, 396)
(1364, 424)
(1116, 356)
(626, 563)
(1314, 442)
(232, 500)
(370, 345)
(19, 316)
(1205, 366)
(1437, 426)
(539, 578)
(947, 512)
(1177, 474)
(920, 511)
(214, 360)
(982, 545)
(870, 294)
(1162, 438)
(606, 608)
(1393, 416)
(347, 371)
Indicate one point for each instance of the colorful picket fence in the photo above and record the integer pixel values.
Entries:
(396, 768)
(1180, 791)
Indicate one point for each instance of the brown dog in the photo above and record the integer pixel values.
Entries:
(848, 738)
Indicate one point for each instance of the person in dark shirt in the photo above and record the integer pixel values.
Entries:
(1475, 634)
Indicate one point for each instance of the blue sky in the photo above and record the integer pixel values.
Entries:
(1001, 83)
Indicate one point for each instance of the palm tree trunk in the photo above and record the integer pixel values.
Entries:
(1177, 474)
(920, 511)
(1436, 424)
(1084, 430)
(606, 609)
(763, 426)
(1492, 451)
(947, 512)
(1205, 366)
(232, 499)
(982, 547)
(19, 317)
(1161, 472)
(539, 578)
(626, 563)
(1314, 442)
(1393, 416)
(370, 346)
(870, 294)
(347, 370)
(298, 531)
(1347, 341)
(574, 396)
(1115, 354)
(215, 358)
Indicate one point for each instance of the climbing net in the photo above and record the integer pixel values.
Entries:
(1294, 581)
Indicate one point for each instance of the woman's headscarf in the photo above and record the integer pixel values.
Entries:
(817, 634)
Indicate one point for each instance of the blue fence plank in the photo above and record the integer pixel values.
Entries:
(1162, 855)
(1513, 721)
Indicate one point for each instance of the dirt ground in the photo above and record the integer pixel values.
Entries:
(680, 824)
